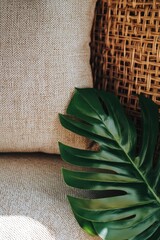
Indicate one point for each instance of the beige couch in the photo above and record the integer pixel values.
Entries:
(33, 204)
(44, 55)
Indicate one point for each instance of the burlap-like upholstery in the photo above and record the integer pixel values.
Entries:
(33, 203)
(44, 54)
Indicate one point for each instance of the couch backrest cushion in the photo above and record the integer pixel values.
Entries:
(45, 55)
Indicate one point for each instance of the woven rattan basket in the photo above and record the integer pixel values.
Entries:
(126, 50)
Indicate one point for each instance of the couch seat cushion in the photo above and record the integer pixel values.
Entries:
(33, 204)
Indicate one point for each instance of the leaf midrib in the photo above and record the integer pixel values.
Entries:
(134, 165)
(141, 175)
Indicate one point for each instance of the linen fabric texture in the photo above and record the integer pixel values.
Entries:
(45, 54)
(33, 199)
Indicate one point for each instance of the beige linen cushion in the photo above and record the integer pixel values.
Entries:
(44, 55)
(33, 199)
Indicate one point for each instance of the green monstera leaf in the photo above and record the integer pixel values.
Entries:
(133, 212)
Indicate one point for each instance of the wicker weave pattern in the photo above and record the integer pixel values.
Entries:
(126, 49)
